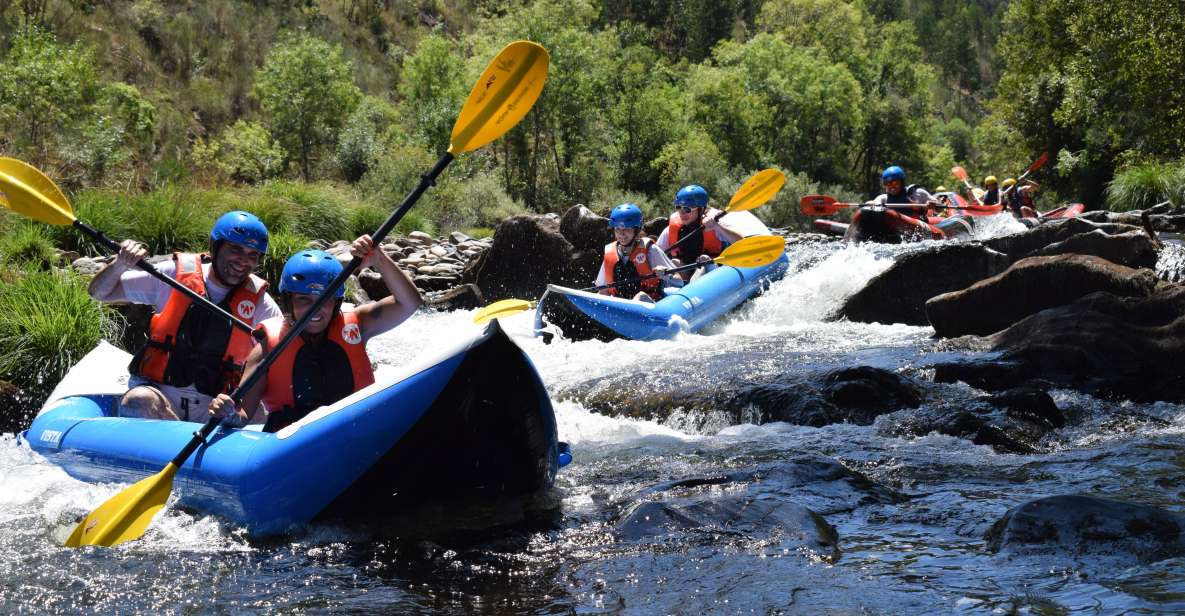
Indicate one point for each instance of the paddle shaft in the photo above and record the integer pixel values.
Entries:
(111, 245)
(674, 270)
(1037, 164)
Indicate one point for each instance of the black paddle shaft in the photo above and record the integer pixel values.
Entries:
(674, 270)
(698, 230)
(111, 245)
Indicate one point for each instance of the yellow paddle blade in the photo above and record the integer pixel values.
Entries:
(126, 515)
(753, 251)
(505, 93)
(756, 190)
(504, 308)
(30, 193)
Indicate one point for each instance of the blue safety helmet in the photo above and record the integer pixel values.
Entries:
(625, 215)
(240, 228)
(310, 272)
(893, 173)
(692, 195)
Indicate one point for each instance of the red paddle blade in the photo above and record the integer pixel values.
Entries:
(819, 205)
(959, 172)
(1040, 162)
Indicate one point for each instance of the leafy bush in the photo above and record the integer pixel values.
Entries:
(245, 153)
(1143, 185)
(28, 244)
(783, 210)
(477, 201)
(37, 347)
(361, 140)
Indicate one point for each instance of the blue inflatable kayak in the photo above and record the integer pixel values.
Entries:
(581, 315)
(474, 421)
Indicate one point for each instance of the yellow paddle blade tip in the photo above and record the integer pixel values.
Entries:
(28, 192)
(757, 190)
(503, 308)
(505, 92)
(754, 251)
(126, 515)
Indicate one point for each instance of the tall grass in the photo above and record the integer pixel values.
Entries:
(1141, 186)
(283, 244)
(47, 323)
(28, 244)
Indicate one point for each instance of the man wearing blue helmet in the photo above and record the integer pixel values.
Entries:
(191, 355)
(632, 255)
(692, 233)
(328, 361)
(896, 192)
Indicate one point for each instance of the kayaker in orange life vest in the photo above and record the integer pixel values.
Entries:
(693, 230)
(328, 361)
(191, 355)
(632, 255)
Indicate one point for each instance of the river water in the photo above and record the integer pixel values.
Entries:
(921, 553)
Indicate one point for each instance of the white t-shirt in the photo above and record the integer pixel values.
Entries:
(655, 257)
(139, 287)
(918, 196)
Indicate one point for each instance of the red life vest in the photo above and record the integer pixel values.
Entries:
(298, 383)
(188, 345)
(706, 244)
(636, 266)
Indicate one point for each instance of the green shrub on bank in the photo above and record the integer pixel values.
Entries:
(313, 210)
(1144, 185)
(47, 323)
(28, 244)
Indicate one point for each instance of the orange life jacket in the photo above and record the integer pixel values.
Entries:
(299, 382)
(188, 345)
(706, 244)
(636, 266)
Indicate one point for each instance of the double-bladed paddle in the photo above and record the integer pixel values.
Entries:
(1037, 164)
(30, 193)
(754, 193)
(961, 173)
(507, 89)
(754, 251)
(824, 205)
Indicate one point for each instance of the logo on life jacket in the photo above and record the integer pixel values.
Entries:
(351, 333)
(246, 309)
(640, 257)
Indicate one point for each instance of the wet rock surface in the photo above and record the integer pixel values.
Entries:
(1013, 421)
(850, 395)
(1029, 286)
(527, 254)
(1077, 526)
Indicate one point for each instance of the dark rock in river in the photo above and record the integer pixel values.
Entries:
(528, 253)
(584, 229)
(1125, 347)
(464, 297)
(899, 294)
(1085, 525)
(1029, 243)
(1029, 286)
(851, 395)
(1010, 422)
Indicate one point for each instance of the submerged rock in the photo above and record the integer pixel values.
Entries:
(1010, 422)
(1086, 525)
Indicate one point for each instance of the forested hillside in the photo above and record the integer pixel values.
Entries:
(642, 96)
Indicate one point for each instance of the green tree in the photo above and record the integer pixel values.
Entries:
(306, 92)
(647, 115)
(433, 88)
(45, 87)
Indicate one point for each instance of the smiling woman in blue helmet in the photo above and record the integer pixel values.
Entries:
(328, 361)
(632, 255)
(191, 355)
(897, 193)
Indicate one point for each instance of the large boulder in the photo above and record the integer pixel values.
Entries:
(1029, 286)
(528, 253)
(1027, 243)
(1126, 347)
(1131, 248)
(899, 294)
(1086, 525)
(584, 229)
(1014, 421)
